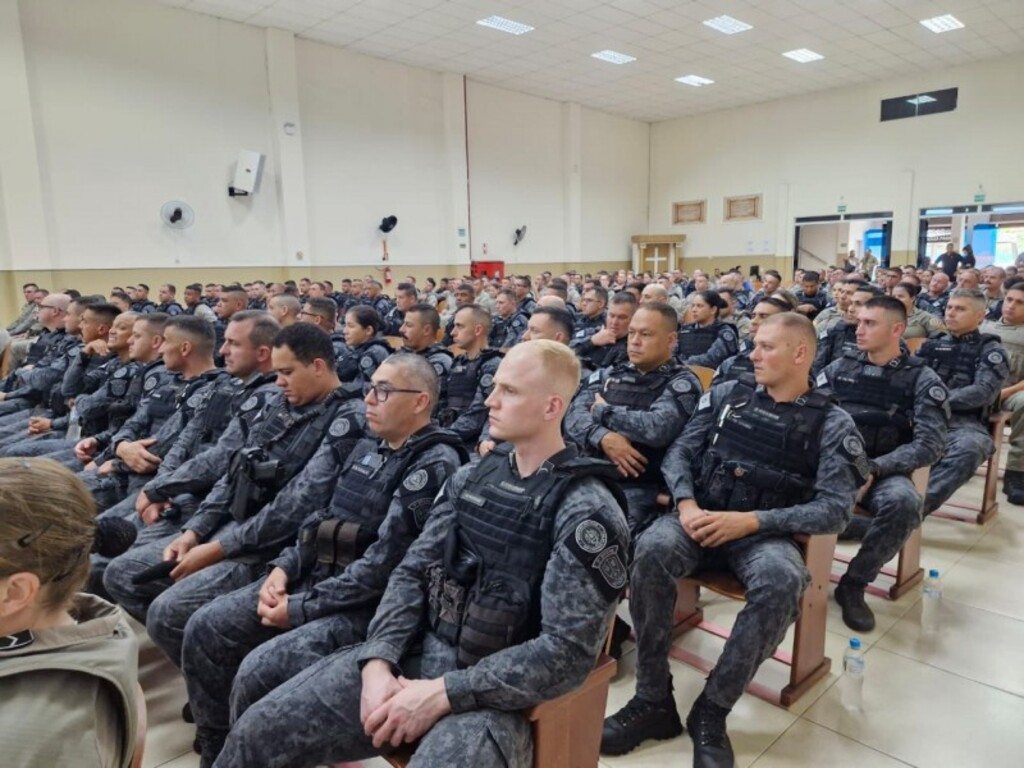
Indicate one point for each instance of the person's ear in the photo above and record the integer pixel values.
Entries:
(18, 592)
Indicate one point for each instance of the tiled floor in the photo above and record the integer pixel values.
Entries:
(953, 699)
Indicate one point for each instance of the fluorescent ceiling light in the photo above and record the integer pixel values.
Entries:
(727, 25)
(1008, 209)
(941, 24)
(695, 80)
(803, 55)
(505, 25)
(614, 57)
(922, 99)
(938, 211)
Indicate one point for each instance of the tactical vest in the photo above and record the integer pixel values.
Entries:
(881, 401)
(696, 339)
(637, 391)
(358, 366)
(268, 461)
(761, 454)
(463, 381)
(741, 365)
(110, 412)
(363, 495)
(42, 345)
(841, 339)
(486, 595)
(955, 360)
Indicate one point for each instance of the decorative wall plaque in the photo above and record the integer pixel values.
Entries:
(743, 208)
(691, 212)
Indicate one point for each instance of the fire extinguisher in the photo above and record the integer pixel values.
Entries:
(387, 275)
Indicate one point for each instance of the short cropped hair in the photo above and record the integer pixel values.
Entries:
(307, 342)
(156, 322)
(196, 329)
(323, 307)
(480, 316)
(420, 372)
(558, 362)
(668, 314)
(562, 318)
(105, 312)
(625, 297)
(798, 325)
(974, 295)
(890, 305)
(264, 326)
(428, 315)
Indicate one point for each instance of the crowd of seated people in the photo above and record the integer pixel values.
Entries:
(354, 521)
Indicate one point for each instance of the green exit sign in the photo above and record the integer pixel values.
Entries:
(840, 209)
(980, 197)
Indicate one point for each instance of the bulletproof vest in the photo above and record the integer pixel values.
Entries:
(486, 595)
(761, 454)
(463, 381)
(382, 304)
(602, 357)
(741, 365)
(341, 349)
(118, 385)
(363, 495)
(955, 360)
(696, 339)
(42, 345)
(171, 308)
(841, 339)
(280, 445)
(432, 354)
(362, 361)
(628, 387)
(880, 400)
(223, 404)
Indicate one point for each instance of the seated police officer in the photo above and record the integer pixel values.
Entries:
(974, 366)
(501, 603)
(631, 412)
(841, 338)
(740, 363)
(419, 336)
(757, 463)
(707, 341)
(471, 377)
(322, 592)
(900, 406)
(608, 345)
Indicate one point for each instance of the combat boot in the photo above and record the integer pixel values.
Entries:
(640, 720)
(711, 745)
(856, 614)
(1013, 486)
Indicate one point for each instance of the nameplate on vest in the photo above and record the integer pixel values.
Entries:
(472, 498)
(510, 487)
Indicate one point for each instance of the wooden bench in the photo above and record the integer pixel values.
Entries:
(566, 730)
(395, 342)
(908, 572)
(807, 661)
(990, 496)
(703, 373)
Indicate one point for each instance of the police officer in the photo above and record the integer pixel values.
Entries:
(284, 438)
(1010, 330)
(471, 378)
(901, 407)
(140, 300)
(376, 298)
(839, 310)
(608, 345)
(740, 364)
(419, 336)
(321, 593)
(842, 337)
(810, 299)
(365, 350)
(464, 295)
(525, 303)
(631, 412)
(591, 317)
(509, 323)
(974, 366)
(167, 304)
(405, 297)
(707, 341)
(756, 464)
(549, 589)
(323, 313)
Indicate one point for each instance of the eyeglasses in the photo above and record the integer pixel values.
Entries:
(381, 392)
(309, 314)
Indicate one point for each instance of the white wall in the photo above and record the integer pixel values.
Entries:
(137, 105)
(805, 153)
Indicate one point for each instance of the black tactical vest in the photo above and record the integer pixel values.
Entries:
(955, 360)
(628, 387)
(463, 380)
(880, 400)
(842, 338)
(696, 339)
(741, 365)
(359, 364)
(762, 454)
(363, 494)
(486, 595)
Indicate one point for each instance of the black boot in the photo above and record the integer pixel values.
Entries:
(210, 742)
(711, 745)
(1013, 486)
(620, 634)
(856, 614)
(638, 721)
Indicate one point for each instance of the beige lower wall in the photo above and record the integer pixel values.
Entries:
(783, 264)
(102, 280)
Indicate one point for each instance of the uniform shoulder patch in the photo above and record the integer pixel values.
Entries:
(195, 400)
(366, 362)
(416, 481)
(249, 404)
(728, 333)
(120, 373)
(604, 560)
(938, 394)
(150, 383)
(591, 536)
(996, 357)
(682, 385)
(486, 381)
(439, 369)
(853, 446)
(705, 402)
(340, 427)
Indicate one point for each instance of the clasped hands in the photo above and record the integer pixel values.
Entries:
(395, 710)
(712, 529)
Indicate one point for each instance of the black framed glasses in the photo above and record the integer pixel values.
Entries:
(382, 392)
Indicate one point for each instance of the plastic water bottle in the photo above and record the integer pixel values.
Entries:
(74, 426)
(852, 682)
(931, 602)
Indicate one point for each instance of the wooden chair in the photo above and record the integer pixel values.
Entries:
(140, 727)
(396, 342)
(915, 344)
(566, 730)
(5, 362)
(908, 572)
(442, 304)
(990, 496)
(705, 375)
(807, 661)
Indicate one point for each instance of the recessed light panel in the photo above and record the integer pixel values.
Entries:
(803, 55)
(917, 100)
(614, 57)
(727, 25)
(695, 80)
(505, 25)
(940, 24)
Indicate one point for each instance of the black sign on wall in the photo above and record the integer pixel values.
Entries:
(919, 104)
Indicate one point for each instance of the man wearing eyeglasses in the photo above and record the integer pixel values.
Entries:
(501, 603)
(320, 594)
(47, 359)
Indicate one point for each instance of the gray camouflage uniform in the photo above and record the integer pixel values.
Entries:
(314, 717)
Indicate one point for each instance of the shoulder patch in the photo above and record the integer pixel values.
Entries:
(416, 481)
(728, 333)
(120, 373)
(705, 402)
(591, 536)
(996, 357)
(611, 568)
(339, 427)
(150, 383)
(486, 381)
(195, 400)
(938, 394)
(439, 369)
(682, 385)
(853, 446)
(366, 362)
(822, 380)
(249, 404)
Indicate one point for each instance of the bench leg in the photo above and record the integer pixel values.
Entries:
(809, 663)
(908, 567)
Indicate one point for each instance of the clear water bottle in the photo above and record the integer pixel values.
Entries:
(931, 602)
(74, 426)
(852, 681)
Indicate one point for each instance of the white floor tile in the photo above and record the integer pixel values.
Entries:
(808, 744)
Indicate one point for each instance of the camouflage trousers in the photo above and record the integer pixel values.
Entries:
(44, 445)
(314, 719)
(1015, 405)
(229, 654)
(770, 567)
(895, 508)
(968, 444)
